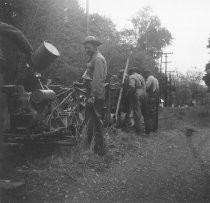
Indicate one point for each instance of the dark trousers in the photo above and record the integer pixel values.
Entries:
(125, 103)
(136, 102)
(95, 125)
(150, 112)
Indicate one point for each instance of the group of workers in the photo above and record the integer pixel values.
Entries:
(140, 96)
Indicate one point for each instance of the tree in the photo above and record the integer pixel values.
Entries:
(206, 77)
(146, 38)
(189, 87)
(194, 78)
(147, 33)
(61, 22)
(64, 23)
(208, 45)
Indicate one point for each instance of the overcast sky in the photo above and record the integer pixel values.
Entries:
(187, 20)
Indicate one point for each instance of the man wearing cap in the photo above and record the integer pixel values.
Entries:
(95, 73)
(151, 106)
(14, 48)
(136, 93)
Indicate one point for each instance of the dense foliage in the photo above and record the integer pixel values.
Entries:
(206, 77)
(64, 23)
(189, 88)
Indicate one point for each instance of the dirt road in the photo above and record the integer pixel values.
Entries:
(172, 165)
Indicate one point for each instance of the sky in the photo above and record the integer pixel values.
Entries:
(187, 20)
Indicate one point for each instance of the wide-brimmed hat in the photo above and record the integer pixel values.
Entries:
(92, 40)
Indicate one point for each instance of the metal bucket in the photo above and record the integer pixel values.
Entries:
(44, 56)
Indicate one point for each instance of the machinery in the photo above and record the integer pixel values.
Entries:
(39, 114)
(34, 111)
(28, 110)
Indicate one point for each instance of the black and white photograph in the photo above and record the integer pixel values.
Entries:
(104, 101)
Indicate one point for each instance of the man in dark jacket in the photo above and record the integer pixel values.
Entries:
(16, 36)
(16, 50)
(96, 73)
(151, 106)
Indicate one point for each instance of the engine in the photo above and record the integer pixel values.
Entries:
(29, 109)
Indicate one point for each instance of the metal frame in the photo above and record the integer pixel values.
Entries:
(60, 132)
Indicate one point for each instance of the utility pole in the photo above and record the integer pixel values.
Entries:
(170, 88)
(87, 17)
(166, 77)
(166, 61)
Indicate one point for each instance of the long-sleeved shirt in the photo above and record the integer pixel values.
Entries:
(152, 84)
(96, 72)
(137, 81)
